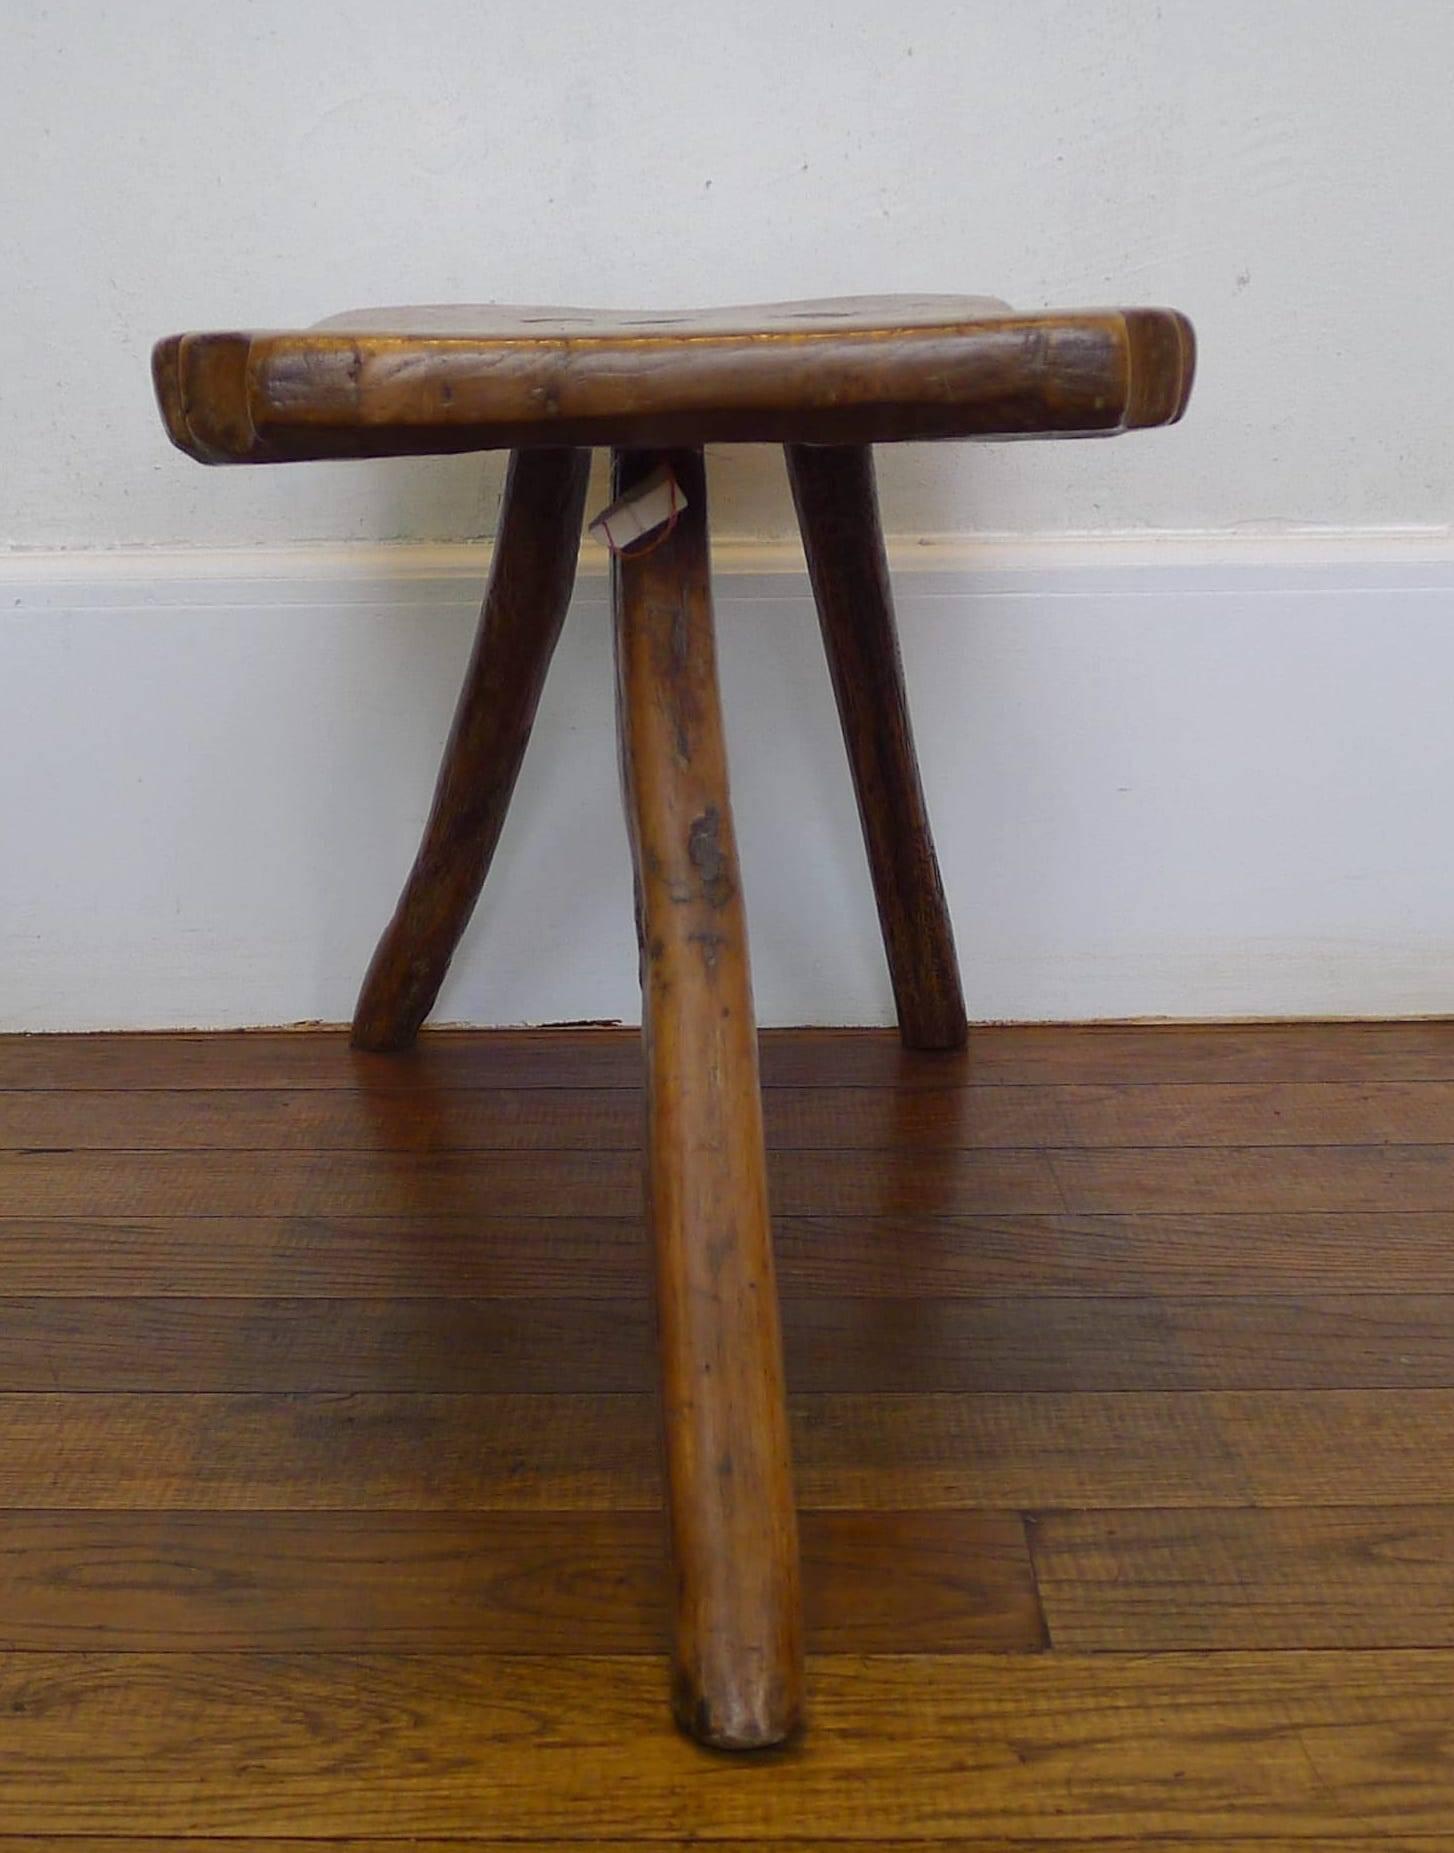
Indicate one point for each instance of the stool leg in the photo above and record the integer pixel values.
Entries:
(738, 1636)
(833, 489)
(530, 586)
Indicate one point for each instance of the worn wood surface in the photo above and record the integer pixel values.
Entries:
(1124, 1527)
(737, 1648)
(837, 504)
(851, 370)
(531, 574)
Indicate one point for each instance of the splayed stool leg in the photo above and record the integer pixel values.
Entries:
(737, 1680)
(530, 586)
(833, 489)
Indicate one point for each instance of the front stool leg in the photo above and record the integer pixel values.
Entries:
(531, 576)
(737, 1680)
(833, 488)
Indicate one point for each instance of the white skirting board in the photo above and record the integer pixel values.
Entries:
(1168, 778)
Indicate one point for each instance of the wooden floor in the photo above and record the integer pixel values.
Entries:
(1123, 1374)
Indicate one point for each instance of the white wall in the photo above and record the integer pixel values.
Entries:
(1281, 171)
(1186, 732)
(1161, 787)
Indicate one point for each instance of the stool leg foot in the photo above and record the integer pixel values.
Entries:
(738, 1635)
(833, 489)
(525, 606)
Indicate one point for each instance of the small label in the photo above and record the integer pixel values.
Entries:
(654, 501)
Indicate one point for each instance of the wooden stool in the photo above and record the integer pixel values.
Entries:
(827, 380)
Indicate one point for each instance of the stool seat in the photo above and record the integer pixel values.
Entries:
(847, 370)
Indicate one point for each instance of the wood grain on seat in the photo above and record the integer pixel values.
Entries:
(397, 382)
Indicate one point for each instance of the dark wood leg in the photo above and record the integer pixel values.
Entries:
(833, 489)
(525, 606)
(738, 1636)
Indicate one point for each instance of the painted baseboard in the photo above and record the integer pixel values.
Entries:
(1188, 776)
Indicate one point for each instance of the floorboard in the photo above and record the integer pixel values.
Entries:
(902, 1346)
(413, 1255)
(1298, 1578)
(332, 1450)
(1087, 1054)
(511, 1582)
(933, 1747)
(372, 1843)
(526, 1119)
(1371, 1178)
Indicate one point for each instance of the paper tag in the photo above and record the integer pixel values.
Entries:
(655, 500)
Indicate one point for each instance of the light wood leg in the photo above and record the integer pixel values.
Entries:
(525, 606)
(738, 1637)
(833, 488)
